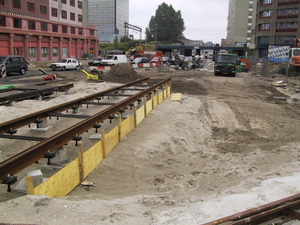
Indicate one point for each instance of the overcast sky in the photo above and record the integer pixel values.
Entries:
(204, 19)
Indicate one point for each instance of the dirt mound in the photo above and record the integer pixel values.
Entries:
(122, 73)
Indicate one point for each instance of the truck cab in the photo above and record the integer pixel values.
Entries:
(226, 64)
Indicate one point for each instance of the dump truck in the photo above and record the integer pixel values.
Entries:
(226, 64)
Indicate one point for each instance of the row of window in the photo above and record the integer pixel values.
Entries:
(278, 40)
(32, 25)
(31, 5)
(280, 27)
(280, 2)
(281, 13)
(54, 12)
(64, 14)
(45, 52)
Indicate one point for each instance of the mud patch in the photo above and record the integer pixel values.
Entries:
(191, 88)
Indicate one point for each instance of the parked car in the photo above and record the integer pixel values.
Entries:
(65, 64)
(140, 60)
(165, 59)
(13, 64)
(156, 60)
(95, 62)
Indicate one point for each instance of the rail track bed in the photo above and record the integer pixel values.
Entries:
(19, 93)
(69, 122)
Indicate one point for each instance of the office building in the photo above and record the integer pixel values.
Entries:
(109, 16)
(241, 20)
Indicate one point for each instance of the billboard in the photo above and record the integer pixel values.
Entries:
(278, 53)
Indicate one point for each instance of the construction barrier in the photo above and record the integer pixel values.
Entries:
(66, 179)
(139, 65)
(3, 72)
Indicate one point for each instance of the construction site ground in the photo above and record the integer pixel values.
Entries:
(229, 144)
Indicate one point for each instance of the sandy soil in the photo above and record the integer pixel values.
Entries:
(230, 144)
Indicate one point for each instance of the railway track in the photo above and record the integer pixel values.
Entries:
(284, 211)
(128, 95)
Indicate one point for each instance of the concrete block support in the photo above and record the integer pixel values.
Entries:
(37, 177)
(42, 126)
(60, 157)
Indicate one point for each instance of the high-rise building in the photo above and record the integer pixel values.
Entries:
(46, 29)
(241, 20)
(277, 24)
(109, 16)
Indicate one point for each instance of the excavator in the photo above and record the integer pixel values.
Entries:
(132, 50)
(294, 62)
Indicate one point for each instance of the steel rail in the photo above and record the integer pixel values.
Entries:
(29, 156)
(252, 216)
(9, 126)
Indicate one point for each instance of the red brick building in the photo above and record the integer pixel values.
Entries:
(46, 29)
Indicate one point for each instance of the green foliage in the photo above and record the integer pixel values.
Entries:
(127, 45)
(166, 26)
(116, 42)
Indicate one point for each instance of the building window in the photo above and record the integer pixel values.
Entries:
(79, 31)
(17, 23)
(44, 26)
(31, 6)
(266, 14)
(54, 12)
(64, 14)
(287, 13)
(32, 51)
(43, 9)
(16, 4)
(73, 30)
(288, 2)
(79, 4)
(64, 1)
(2, 2)
(92, 33)
(64, 29)
(31, 25)
(54, 28)
(55, 52)
(2, 21)
(263, 40)
(79, 18)
(44, 52)
(72, 2)
(64, 52)
(286, 27)
(264, 26)
(285, 40)
(266, 2)
(72, 16)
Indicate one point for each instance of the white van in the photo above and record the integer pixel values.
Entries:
(112, 60)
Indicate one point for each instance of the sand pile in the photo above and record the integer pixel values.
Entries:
(122, 73)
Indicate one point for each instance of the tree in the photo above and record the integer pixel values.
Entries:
(116, 42)
(166, 26)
